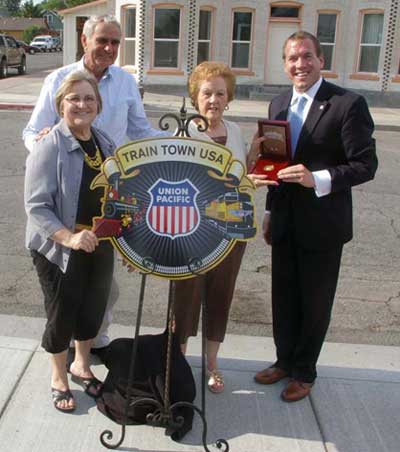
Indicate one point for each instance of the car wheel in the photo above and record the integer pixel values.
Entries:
(22, 67)
(31, 51)
(3, 69)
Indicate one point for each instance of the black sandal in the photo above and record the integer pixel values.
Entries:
(89, 384)
(59, 396)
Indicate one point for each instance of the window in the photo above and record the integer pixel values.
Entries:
(166, 37)
(241, 39)
(204, 39)
(49, 18)
(326, 34)
(371, 40)
(285, 11)
(11, 42)
(129, 47)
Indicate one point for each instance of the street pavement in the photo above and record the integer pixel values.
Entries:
(21, 93)
(354, 404)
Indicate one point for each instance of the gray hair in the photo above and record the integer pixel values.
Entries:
(90, 24)
(69, 81)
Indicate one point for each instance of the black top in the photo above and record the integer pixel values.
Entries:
(89, 205)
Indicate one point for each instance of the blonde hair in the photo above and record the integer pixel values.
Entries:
(207, 70)
(69, 81)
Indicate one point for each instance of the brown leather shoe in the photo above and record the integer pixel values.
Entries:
(296, 390)
(270, 375)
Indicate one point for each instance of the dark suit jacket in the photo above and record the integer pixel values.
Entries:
(337, 136)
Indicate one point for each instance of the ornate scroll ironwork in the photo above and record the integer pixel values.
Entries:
(183, 121)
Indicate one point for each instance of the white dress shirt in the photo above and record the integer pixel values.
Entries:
(322, 178)
(122, 116)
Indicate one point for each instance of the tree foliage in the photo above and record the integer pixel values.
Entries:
(31, 32)
(71, 3)
(53, 5)
(28, 9)
(13, 6)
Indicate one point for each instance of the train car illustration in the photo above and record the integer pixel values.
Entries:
(119, 207)
(119, 212)
(232, 213)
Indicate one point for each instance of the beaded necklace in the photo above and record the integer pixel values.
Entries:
(95, 161)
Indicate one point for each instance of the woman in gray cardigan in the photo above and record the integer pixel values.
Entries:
(73, 267)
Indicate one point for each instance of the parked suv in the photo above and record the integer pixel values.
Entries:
(44, 43)
(12, 54)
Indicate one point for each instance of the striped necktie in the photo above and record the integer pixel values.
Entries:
(296, 121)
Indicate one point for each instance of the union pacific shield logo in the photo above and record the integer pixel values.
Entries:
(173, 211)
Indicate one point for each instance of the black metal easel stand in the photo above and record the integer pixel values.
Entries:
(163, 414)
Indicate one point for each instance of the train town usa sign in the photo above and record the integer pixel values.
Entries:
(176, 203)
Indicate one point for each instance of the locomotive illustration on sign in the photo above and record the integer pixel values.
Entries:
(174, 200)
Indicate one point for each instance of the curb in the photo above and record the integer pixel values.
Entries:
(22, 107)
(159, 113)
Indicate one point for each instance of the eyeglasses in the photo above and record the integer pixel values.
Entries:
(76, 100)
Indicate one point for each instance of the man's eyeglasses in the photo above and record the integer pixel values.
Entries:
(76, 100)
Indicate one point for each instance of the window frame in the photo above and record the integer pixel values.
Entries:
(332, 71)
(11, 42)
(49, 18)
(124, 9)
(363, 14)
(164, 69)
(248, 69)
(288, 4)
(212, 10)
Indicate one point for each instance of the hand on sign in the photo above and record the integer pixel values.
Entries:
(128, 266)
(42, 133)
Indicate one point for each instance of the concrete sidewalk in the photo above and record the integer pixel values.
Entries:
(354, 405)
(21, 93)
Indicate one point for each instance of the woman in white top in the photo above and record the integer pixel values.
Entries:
(211, 87)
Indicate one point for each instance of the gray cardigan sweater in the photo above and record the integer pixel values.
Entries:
(52, 184)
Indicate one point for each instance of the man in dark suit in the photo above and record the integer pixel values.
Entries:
(309, 215)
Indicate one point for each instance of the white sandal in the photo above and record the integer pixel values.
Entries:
(215, 381)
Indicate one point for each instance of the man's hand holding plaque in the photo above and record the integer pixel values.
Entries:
(275, 153)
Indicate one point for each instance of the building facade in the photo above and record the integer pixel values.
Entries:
(163, 41)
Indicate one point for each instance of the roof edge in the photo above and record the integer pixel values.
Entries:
(62, 12)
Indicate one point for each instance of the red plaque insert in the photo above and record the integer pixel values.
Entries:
(275, 150)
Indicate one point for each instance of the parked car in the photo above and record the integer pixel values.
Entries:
(43, 42)
(28, 48)
(11, 55)
(57, 43)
